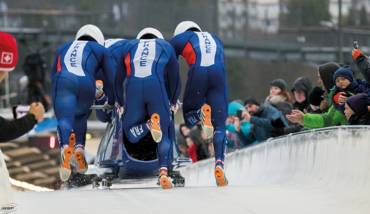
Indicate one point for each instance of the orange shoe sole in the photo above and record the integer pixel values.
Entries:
(81, 162)
(220, 177)
(65, 166)
(207, 120)
(165, 182)
(207, 113)
(68, 152)
(155, 128)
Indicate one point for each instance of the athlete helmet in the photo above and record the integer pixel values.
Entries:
(91, 31)
(149, 31)
(184, 26)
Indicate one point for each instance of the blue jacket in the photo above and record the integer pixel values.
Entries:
(267, 119)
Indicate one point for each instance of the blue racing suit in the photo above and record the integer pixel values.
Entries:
(73, 86)
(147, 82)
(206, 83)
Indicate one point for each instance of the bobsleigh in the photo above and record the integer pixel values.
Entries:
(118, 159)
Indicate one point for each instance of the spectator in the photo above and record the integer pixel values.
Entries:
(325, 79)
(325, 75)
(236, 125)
(345, 86)
(362, 62)
(301, 89)
(15, 128)
(192, 149)
(195, 135)
(357, 109)
(279, 96)
(265, 119)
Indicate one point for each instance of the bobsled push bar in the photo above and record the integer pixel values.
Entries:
(101, 107)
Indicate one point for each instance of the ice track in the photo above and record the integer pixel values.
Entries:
(324, 171)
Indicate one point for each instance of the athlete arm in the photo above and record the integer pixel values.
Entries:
(172, 78)
(120, 78)
(109, 71)
(178, 43)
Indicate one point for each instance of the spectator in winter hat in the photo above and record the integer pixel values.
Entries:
(15, 128)
(357, 109)
(279, 96)
(346, 86)
(236, 124)
(8, 60)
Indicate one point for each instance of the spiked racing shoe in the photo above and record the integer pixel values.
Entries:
(164, 180)
(66, 156)
(81, 164)
(220, 176)
(155, 128)
(206, 120)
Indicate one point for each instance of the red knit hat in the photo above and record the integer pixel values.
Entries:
(8, 52)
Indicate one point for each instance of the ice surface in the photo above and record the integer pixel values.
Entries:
(326, 171)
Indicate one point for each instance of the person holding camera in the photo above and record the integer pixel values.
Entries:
(15, 128)
(12, 129)
(265, 119)
(345, 87)
(238, 129)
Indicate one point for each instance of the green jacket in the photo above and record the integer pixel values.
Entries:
(333, 117)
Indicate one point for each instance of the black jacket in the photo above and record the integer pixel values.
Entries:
(360, 120)
(13, 129)
(363, 64)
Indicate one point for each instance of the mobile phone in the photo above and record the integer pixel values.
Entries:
(355, 45)
(20, 110)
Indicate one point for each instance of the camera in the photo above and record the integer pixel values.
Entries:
(239, 114)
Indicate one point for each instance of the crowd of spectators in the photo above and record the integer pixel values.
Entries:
(337, 99)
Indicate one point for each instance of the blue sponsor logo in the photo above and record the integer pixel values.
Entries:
(144, 54)
(73, 56)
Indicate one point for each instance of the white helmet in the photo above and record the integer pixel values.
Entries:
(184, 26)
(149, 30)
(92, 31)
